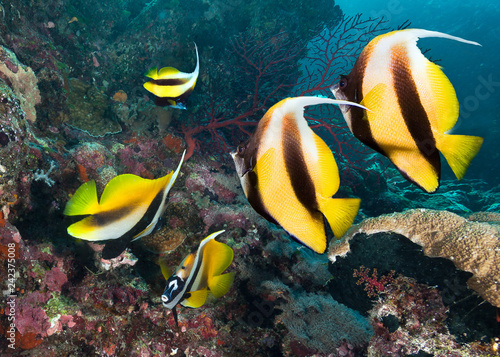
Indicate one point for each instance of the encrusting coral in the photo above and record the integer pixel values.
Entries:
(472, 246)
(22, 80)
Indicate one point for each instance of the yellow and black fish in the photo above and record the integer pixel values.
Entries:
(129, 208)
(289, 175)
(411, 107)
(170, 86)
(199, 274)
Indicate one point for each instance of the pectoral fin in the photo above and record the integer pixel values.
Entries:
(196, 299)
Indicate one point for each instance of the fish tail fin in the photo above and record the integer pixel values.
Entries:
(196, 299)
(220, 285)
(84, 201)
(152, 73)
(459, 150)
(340, 213)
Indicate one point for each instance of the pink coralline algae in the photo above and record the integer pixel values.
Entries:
(36, 298)
(55, 279)
(221, 217)
(57, 324)
(32, 320)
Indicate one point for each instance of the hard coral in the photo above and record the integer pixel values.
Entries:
(22, 81)
(471, 246)
(316, 320)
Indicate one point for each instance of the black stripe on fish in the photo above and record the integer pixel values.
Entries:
(413, 112)
(184, 96)
(296, 166)
(255, 199)
(164, 101)
(104, 218)
(245, 161)
(170, 81)
(115, 247)
(193, 275)
(354, 92)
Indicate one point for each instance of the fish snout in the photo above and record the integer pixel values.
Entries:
(340, 95)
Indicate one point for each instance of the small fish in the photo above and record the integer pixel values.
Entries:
(198, 274)
(129, 208)
(289, 175)
(170, 86)
(412, 105)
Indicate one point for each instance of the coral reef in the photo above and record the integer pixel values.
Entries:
(316, 321)
(80, 65)
(473, 247)
(22, 80)
(409, 319)
(88, 109)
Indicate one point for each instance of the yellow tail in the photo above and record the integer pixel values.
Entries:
(459, 150)
(84, 201)
(340, 213)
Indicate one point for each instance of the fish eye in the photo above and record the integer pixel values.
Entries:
(343, 83)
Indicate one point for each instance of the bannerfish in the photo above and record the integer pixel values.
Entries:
(199, 274)
(289, 175)
(129, 208)
(412, 107)
(171, 86)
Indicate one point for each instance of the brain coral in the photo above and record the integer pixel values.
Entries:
(472, 246)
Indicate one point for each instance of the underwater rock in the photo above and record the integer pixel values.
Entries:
(163, 240)
(22, 80)
(94, 162)
(90, 110)
(17, 158)
(377, 244)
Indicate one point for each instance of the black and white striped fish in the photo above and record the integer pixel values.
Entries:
(412, 105)
(171, 86)
(289, 175)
